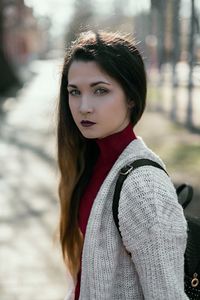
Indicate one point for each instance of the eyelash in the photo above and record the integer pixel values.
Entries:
(102, 91)
(72, 92)
(77, 92)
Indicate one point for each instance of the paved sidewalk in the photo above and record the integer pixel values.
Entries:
(31, 267)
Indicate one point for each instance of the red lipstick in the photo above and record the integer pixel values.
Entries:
(86, 123)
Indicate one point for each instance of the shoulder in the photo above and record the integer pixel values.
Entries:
(148, 198)
(148, 205)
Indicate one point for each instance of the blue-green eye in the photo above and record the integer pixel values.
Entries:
(74, 92)
(101, 91)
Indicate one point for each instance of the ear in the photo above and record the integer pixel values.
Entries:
(131, 104)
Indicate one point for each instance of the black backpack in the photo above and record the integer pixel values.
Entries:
(192, 253)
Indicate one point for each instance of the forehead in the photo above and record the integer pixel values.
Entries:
(81, 71)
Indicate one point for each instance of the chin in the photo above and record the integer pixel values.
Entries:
(89, 135)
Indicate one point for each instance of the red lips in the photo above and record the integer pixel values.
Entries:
(86, 123)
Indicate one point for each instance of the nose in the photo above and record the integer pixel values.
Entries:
(85, 105)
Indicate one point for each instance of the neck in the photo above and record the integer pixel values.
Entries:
(111, 146)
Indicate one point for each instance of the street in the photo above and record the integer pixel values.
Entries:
(31, 264)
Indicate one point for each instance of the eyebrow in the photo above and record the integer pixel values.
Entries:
(92, 84)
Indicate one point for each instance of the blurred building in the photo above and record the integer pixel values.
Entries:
(22, 38)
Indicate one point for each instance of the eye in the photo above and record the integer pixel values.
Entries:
(74, 92)
(101, 91)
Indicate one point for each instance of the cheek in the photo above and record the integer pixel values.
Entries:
(118, 106)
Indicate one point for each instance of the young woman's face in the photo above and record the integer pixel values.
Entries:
(97, 102)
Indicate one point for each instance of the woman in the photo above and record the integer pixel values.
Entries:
(102, 97)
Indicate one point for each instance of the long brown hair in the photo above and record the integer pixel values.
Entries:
(119, 57)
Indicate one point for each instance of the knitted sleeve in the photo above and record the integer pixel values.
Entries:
(154, 231)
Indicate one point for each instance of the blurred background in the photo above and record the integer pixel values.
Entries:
(33, 37)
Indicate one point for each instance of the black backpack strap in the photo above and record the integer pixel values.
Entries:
(122, 176)
(185, 194)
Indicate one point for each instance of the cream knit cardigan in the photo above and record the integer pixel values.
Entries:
(153, 230)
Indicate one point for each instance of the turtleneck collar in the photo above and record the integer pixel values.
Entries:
(112, 146)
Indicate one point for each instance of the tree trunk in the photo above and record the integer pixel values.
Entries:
(176, 40)
(175, 55)
(189, 121)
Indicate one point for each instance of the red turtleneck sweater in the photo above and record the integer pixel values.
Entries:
(110, 148)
